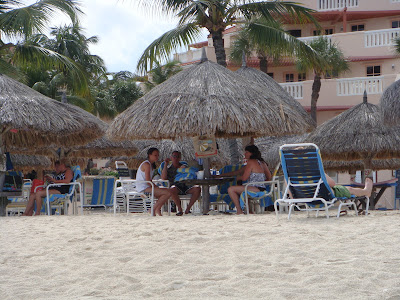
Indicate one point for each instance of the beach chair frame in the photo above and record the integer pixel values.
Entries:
(321, 196)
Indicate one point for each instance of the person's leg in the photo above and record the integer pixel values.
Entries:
(195, 194)
(235, 191)
(162, 194)
(366, 191)
(175, 197)
(38, 198)
(30, 205)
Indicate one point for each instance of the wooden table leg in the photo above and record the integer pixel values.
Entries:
(205, 189)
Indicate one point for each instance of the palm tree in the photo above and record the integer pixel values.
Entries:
(275, 47)
(216, 16)
(335, 64)
(21, 22)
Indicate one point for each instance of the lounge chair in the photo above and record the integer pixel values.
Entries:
(102, 195)
(306, 181)
(61, 201)
(18, 204)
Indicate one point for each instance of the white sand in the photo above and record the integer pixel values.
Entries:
(194, 257)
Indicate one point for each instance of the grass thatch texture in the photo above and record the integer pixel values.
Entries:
(272, 89)
(23, 162)
(206, 99)
(390, 105)
(357, 134)
(39, 120)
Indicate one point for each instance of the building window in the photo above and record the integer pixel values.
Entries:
(327, 31)
(289, 77)
(359, 27)
(395, 24)
(373, 70)
(271, 75)
(301, 77)
(295, 32)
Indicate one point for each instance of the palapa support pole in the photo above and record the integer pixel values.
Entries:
(205, 188)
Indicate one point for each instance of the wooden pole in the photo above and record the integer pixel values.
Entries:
(205, 189)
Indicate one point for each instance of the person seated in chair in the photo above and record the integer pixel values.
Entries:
(177, 188)
(347, 191)
(144, 173)
(255, 170)
(64, 174)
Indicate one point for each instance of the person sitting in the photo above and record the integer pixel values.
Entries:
(347, 191)
(144, 173)
(169, 173)
(64, 174)
(255, 170)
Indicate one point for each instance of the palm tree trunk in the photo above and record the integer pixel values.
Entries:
(316, 87)
(219, 47)
(263, 64)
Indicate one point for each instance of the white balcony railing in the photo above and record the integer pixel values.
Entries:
(189, 56)
(324, 5)
(379, 38)
(357, 85)
(309, 39)
(295, 89)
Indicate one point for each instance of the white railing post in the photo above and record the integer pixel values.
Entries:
(337, 4)
(380, 38)
(357, 85)
(294, 89)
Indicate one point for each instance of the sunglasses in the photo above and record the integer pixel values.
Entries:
(175, 156)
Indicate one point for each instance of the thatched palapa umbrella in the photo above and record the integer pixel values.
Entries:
(357, 134)
(206, 99)
(273, 89)
(390, 105)
(30, 119)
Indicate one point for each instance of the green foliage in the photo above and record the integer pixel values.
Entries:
(94, 171)
(124, 93)
(333, 60)
(110, 173)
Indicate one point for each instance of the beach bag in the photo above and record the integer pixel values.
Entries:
(35, 183)
(12, 181)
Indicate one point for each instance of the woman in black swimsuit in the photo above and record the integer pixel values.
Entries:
(64, 175)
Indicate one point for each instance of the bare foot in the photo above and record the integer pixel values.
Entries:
(368, 187)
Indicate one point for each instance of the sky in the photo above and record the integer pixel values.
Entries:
(124, 30)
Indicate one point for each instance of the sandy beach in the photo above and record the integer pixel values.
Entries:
(200, 257)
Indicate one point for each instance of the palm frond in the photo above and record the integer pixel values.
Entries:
(26, 20)
(161, 48)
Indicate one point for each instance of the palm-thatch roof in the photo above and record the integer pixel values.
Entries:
(355, 165)
(357, 134)
(390, 105)
(271, 88)
(206, 99)
(30, 119)
(23, 162)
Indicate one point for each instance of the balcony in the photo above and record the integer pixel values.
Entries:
(295, 89)
(189, 56)
(379, 38)
(326, 5)
(357, 86)
(344, 86)
(309, 39)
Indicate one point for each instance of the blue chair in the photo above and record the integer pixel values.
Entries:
(62, 200)
(102, 195)
(306, 181)
(222, 190)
